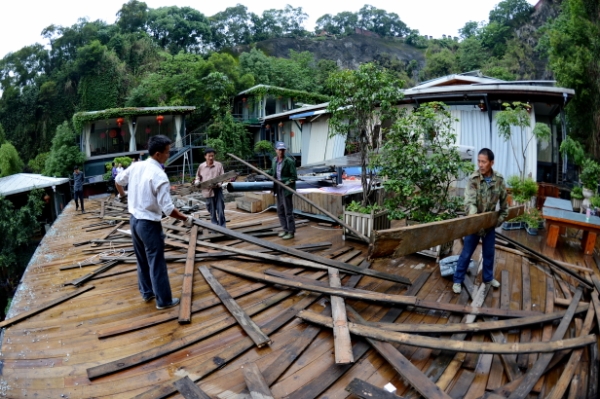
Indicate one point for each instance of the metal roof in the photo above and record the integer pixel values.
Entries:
(23, 182)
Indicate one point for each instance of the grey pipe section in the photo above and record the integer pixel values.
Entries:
(261, 186)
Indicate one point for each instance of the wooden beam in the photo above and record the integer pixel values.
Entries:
(249, 326)
(341, 334)
(256, 382)
(330, 375)
(508, 324)
(334, 218)
(189, 390)
(403, 366)
(185, 308)
(375, 296)
(365, 390)
(24, 315)
(219, 179)
(79, 281)
(449, 344)
(536, 371)
(410, 239)
(301, 254)
(108, 234)
(566, 376)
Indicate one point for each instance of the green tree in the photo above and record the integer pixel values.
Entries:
(471, 29)
(517, 115)
(471, 54)
(258, 64)
(16, 227)
(574, 55)
(439, 63)
(38, 163)
(231, 27)
(132, 16)
(64, 154)
(511, 12)
(179, 29)
(362, 102)
(10, 162)
(229, 136)
(381, 22)
(420, 160)
(264, 147)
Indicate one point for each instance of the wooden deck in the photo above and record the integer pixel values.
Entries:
(54, 353)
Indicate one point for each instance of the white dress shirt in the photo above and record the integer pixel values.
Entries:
(148, 192)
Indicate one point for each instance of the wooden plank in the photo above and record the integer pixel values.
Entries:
(401, 364)
(24, 315)
(325, 379)
(79, 281)
(364, 390)
(325, 212)
(374, 296)
(547, 330)
(249, 326)
(185, 308)
(566, 376)
(410, 239)
(341, 334)
(522, 360)
(301, 254)
(460, 388)
(108, 234)
(534, 373)
(219, 179)
(449, 344)
(258, 387)
(189, 390)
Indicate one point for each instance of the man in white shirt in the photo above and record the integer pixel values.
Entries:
(149, 198)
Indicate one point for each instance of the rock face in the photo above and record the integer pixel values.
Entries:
(348, 51)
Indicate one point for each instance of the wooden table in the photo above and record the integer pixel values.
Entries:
(557, 218)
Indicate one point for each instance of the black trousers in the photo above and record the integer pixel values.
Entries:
(79, 196)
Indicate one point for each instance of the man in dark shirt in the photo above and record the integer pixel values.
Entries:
(78, 188)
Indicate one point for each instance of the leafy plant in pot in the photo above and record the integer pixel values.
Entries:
(595, 205)
(576, 198)
(590, 174)
(523, 190)
(532, 219)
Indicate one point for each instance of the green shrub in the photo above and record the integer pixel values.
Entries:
(590, 174)
(356, 206)
(577, 193)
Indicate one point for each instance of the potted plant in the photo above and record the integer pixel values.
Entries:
(420, 162)
(595, 205)
(365, 219)
(576, 198)
(533, 221)
(590, 174)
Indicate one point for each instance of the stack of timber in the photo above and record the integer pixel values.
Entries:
(305, 318)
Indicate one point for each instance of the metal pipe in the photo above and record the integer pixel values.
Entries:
(235, 187)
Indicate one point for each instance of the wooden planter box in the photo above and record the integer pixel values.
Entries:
(365, 223)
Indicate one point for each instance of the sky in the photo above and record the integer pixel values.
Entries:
(24, 21)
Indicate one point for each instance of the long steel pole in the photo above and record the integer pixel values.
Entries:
(335, 218)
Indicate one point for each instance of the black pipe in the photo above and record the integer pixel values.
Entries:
(546, 259)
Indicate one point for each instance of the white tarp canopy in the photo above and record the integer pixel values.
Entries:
(24, 182)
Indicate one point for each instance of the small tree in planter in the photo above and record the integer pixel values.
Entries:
(517, 115)
(576, 197)
(420, 161)
(590, 174)
(532, 219)
(595, 204)
(361, 102)
(264, 147)
(523, 191)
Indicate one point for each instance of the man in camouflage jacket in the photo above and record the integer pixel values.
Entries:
(485, 189)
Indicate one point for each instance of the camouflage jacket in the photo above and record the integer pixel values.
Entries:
(481, 197)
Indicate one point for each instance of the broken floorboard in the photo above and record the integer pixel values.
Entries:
(47, 354)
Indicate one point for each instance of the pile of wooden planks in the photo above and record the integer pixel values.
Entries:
(260, 317)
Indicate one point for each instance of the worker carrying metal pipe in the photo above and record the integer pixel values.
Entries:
(485, 189)
(284, 169)
(149, 198)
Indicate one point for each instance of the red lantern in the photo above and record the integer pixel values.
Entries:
(120, 121)
(148, 130)
(268, 127)
(46, 198)
(244, 99)
(102, 135)
(280, 124)
(159, 119)
(301, 122)
(112, 133)
(292, 133)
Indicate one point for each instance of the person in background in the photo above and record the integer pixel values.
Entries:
(114, 171)
(284, 169)
(215, 202)
(78, 188)
(485, 189)
(119, 168)
(149, 198)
